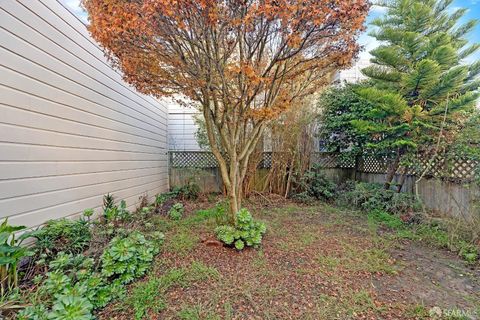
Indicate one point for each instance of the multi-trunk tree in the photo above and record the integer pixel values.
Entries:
(422, 88)
(241, 62)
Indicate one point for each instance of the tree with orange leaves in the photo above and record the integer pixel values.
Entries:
(242, 62)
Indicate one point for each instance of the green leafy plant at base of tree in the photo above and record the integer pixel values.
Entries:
(245, 232)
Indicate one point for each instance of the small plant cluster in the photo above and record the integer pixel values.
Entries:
(11, 253)
(371, 196)
(189, 191)
(114, 213)
(81, 265)
(313, 185)
(176, 211)
(245, 232)
(219, 213)
(63, 235)
(127, 258)
(71, 289)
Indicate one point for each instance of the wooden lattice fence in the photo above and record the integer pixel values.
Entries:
(457, 169)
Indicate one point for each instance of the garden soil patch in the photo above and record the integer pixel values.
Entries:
(315, 263)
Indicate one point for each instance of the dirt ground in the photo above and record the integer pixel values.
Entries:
(316, 262)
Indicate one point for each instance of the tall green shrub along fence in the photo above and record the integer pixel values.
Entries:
(449, 185)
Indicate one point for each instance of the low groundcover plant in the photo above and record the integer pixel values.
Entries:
(245, 231)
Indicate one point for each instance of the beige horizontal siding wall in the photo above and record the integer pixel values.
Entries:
(70, 129)
(182, 128)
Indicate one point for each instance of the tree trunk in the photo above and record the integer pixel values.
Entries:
(401, 182)
(234, 192)
(392, 170)
(232, 153)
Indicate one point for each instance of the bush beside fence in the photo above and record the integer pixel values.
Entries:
(448, 187)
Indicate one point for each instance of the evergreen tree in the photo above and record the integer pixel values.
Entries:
(422, 88)
(340, 105)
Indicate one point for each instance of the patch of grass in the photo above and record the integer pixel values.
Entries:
(201, 272)
(350, 304)
(373, 260)
(433, 234)
(181, 242)
(417, 311)
(361, 302)
(379, 217)
(298, 239)
(228, 309)
(196, 312)
(283, 211)
(328, 262)
(436, 236)
(149, 296)
(307, 238)
(140, 298)
(331, 209)
(259, 262)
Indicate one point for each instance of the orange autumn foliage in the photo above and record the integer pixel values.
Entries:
(242, 48)
(242, 62)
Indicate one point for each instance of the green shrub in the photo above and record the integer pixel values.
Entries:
(145, 211)
(161, 198)
(69, 236)
(189, 191)
(245, 232)
(73, 290)
(35, 312)
(128, 258)
(70, 306)
(371, 196)
(176, 211)
(315, 185)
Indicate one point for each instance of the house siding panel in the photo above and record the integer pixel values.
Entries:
(70, 129)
